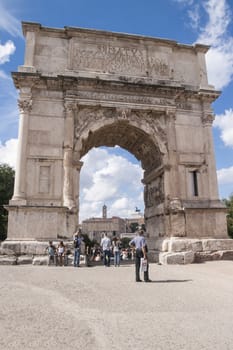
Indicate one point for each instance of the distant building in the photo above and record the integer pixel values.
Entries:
(135, 220)
(94, 227)
(104, 211)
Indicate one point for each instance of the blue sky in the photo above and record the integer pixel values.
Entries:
(186, 21)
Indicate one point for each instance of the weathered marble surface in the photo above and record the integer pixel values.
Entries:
(80, 89)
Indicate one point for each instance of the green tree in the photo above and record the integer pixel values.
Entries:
(229, 205)
(125, 242)
(133, 226)
(87, 241)
(7, 176)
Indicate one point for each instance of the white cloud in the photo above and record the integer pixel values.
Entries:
(219, 17)
(220, 64)
(213, 32)
(8, 93)
(225, 176)
(194, 15)
(185, 2)
(8, 152)
(4, 76)
(110, 179)
(6, 50)
(225, 123)
(8, 22)
(219, 58)
(8, 108)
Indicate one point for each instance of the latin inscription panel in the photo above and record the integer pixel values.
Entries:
(117, 59)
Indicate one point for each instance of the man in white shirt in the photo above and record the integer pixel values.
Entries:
(106, 247)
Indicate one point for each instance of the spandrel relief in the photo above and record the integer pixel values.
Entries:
(86, 116)
(154, 193)
(155, 124)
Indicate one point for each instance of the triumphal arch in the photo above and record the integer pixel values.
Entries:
(81, 88)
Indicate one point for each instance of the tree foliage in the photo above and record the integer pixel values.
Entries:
(125, 242)
(7, 176)
(87, 241)
(133, 226)
(229, 205)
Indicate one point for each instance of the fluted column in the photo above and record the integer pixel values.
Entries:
(68, 184)
(21, 164)
(207, 120)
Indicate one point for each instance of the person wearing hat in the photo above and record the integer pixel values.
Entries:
(139, 244)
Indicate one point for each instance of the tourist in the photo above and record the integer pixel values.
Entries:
(146, 272)
(87, 256)
(61, 253)
(116, 243)
(106, 247)
(51, 250)
(77, 248)
(139, 244)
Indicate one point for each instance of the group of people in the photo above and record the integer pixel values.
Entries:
(138, 243)
(59, 255)
(108, 247)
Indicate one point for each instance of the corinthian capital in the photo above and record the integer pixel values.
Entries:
(25, 106)
(70, 108)
(208, 118)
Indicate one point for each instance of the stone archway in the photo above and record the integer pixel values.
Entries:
(84, 88)
(135, 131)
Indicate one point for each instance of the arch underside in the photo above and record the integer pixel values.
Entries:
(133, 139)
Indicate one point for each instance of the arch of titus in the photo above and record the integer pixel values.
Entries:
(80, 89)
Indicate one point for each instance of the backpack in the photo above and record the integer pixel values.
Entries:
(76, 243)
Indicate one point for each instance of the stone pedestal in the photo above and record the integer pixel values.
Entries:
(40, 223)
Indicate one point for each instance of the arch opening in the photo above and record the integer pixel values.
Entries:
(134, 140)
(139, 144)
(110, 176)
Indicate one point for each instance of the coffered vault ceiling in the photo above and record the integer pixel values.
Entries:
(128, 137)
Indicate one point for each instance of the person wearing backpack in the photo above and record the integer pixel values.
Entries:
(77, 248)
(116, 243)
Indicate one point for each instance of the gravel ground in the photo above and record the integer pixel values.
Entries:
(185, 307)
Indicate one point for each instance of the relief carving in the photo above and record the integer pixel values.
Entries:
(124, 98)
(25, 106)
(156, 124)
(208, 118)
(70, 108)
(157, 66)
(184, 105)
(123, 113)
(87, 115)
(154, 194)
